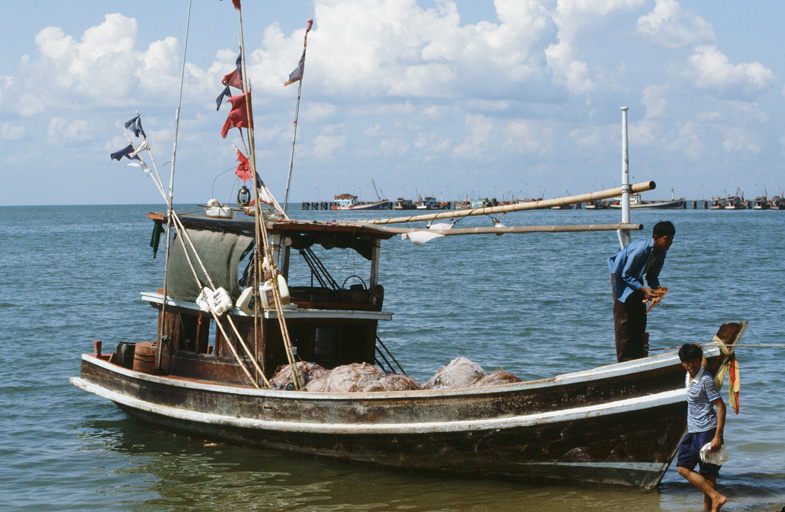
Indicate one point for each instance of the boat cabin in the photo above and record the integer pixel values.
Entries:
(330, 320)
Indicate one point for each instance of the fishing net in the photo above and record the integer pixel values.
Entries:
(459, 373)
(352, 377)
(283, 378)
(393, 382)
(495, 378)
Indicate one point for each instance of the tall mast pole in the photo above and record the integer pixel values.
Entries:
(170, 200)
(308, 26)
(262, 240)
(624, 234)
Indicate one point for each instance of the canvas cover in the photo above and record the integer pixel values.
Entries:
(219, 251)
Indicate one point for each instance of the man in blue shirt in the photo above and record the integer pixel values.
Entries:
(628, 266)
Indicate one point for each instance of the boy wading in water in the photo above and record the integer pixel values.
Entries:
(703, 426)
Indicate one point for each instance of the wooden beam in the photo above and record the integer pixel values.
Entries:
(529, 205)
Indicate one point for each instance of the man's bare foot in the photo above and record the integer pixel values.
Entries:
(718, 503)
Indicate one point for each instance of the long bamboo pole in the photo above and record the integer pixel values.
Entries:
(308, 26)
(517, 229)
(261, 233)
(529, 205)
(170, 201)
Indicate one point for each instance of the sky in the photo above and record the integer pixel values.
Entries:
(444, 98)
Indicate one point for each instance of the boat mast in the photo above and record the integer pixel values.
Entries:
(262, 240)
(308, 26)
(170, 199)
(624, 235)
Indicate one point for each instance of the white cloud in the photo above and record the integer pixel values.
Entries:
(8, 132)
(62, 132)
(5, 83)
(670, 26)
(572, 18)
(654, 98)
(476, 143)
(324, 146)
(709, 68)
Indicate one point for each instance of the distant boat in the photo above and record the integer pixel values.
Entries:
(427, 203)
(636, 201)
(734, 203)
(349, 202)
(403, 204)
(761, 203)
(778, 203)
(596, 205)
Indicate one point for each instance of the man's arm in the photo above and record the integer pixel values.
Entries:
(716, 443)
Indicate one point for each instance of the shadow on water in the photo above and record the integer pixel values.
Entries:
(165, 471)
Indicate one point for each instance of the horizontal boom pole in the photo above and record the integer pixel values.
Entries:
(529, 205)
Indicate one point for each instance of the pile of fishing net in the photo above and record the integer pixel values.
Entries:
(283, 378)
(463, 373)
(364, 377)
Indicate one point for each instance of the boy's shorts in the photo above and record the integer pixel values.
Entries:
(689, 452)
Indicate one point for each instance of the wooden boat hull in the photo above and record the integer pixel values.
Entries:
(618, 424)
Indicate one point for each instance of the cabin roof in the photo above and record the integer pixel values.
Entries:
(303, 234)
(284, 226)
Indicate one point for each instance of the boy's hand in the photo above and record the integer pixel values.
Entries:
(716, 444)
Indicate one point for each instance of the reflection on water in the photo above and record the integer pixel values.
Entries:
(164, 471)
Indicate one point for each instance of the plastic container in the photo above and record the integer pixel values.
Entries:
(266, 292)
(218, 301)
(245, 301)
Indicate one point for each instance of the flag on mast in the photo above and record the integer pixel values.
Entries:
(243, 170)
(239, 115)
(135, 125)
(236, 4)
(297, 74)
(233, 79)
(127, 152)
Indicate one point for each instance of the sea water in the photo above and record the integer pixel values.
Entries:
(534, 304)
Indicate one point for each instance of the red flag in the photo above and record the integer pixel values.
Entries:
(238, 117)
(243, 170)
(236, 4)
(235, 79)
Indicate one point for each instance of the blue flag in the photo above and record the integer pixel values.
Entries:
(125, 152)
(226, 93)
(135, 125)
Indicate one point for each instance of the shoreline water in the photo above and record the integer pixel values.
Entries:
(536, 305)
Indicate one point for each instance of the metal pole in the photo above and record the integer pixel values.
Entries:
(624, 235)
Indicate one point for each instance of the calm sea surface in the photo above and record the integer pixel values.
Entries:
(536, 305)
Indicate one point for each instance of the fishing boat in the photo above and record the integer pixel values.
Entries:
(597, 205)
(350, 202)
(637, 202)
(426, 203)
(243, 359)
(761, 203)
(403, 204)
